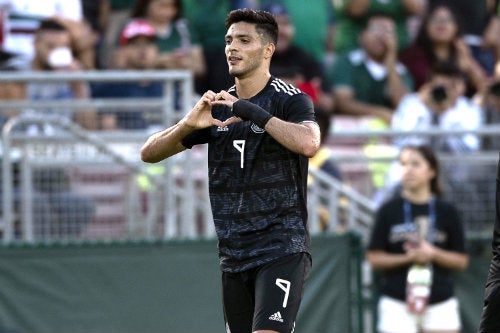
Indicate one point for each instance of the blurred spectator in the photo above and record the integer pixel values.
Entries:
(417, 232)
(207, 23)
(97, 13)
(481, 28)
(177, 48)
(53, 52)
(491, 107)
(293, 64)
(312, 37)
(369, 81)
(58, 211)
(439, 103)
(350, 17)
(440, 39)
(206, 18)
(119, 14)
(138, 51)
(23, 17)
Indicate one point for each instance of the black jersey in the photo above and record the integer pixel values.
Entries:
(257, 186)
(391, 232)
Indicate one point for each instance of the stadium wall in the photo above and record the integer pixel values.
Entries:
(173, 286)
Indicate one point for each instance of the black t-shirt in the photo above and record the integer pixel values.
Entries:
(257, 186)
(391, 231)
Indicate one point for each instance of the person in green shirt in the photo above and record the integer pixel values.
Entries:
(350, 16)
(370, 81)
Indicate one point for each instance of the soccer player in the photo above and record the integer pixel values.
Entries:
(260, 133)
(490, 320)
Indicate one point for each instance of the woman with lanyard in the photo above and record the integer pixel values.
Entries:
(416, 243)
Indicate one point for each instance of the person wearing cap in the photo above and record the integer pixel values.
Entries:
(137, 51)
(177, 49)
(137, 47)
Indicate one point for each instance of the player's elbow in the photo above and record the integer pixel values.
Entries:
(311, 149)
(148, 155)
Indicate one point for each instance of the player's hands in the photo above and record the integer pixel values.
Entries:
(201, 114)
(225, 98)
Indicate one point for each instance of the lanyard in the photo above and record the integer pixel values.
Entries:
(432, 217)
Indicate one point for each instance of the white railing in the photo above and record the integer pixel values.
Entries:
(165, 200)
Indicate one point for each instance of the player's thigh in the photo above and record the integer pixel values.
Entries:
(279, 288)
(238, 301)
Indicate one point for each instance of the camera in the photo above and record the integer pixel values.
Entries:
(439, 94)
(495, 89)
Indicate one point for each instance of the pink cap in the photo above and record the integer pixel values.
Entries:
(137, 28)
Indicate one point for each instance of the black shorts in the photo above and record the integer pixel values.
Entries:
(266, 297)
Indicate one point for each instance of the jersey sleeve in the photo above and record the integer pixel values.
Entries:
(197, 137)
(300, 109)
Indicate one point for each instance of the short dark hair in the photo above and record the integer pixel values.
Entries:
(264, 22)
(376, 15)
(448, 69)
(50, 24)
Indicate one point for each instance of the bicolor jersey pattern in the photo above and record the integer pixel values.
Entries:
(257, 186)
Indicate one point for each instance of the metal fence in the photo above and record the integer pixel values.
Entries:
(81, 185)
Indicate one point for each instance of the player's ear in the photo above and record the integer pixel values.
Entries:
(269, 50)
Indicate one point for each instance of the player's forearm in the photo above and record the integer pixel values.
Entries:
(164, 144)
(300, 138)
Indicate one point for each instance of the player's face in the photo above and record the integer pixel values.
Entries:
(416, 173)
(244, 49)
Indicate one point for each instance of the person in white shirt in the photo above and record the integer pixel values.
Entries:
(441, 104)
(21, 18)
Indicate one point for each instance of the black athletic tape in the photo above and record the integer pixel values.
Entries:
(248, 111)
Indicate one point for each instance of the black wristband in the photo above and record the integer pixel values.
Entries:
(248, 111)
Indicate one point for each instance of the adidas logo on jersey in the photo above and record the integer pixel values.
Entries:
(222, 129)
(276, 317)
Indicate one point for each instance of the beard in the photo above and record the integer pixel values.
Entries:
(243, 69)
